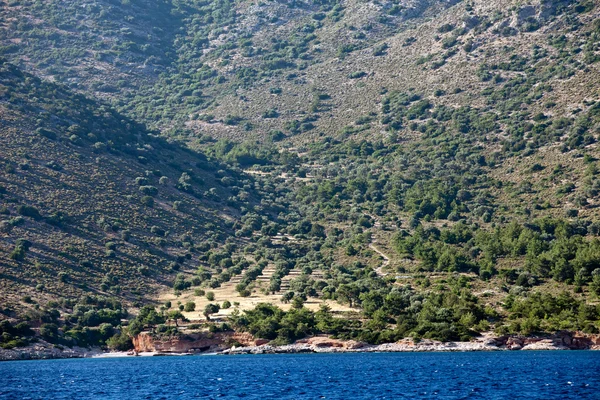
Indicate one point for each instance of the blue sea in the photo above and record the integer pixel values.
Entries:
(495, 375)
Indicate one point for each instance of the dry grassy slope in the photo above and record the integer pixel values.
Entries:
(399, 70)
(89, 49)
(227, 293)
(96, 191)
(113, 49)
(74, 43)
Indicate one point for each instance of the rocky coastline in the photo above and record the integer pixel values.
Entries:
(241, 343)
(42, 350)
(560, 341)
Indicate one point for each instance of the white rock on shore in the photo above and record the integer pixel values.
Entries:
(404, 346)
(325, 345)
(43, 350)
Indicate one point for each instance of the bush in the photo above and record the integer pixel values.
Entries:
(63, 277)
(149, 190)
(46, 133)
(445, 28)
(211, 309)
(210, 296)
(18, 254)
(49, 332)
(157, 231)
(29, 211)
(190, 306)
(357, 75)
(148, 201)
(120, 342)
(180, 283)
(141, 181)
(232, 120)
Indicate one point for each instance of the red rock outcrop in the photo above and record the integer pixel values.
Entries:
(199, 342)
(192, 343)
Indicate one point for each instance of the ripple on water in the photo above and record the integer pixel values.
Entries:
(517, 375)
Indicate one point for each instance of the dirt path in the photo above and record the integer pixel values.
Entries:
(385, 263)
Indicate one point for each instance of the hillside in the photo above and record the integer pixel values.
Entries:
(93, 202)
(379, 170)
(198, 63)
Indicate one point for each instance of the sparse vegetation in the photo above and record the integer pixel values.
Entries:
(431, 182)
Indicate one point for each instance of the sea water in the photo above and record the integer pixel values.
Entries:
(484, 375)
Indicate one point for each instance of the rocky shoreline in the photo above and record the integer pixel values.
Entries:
(146, 345)
(42, 350)
(484, 343)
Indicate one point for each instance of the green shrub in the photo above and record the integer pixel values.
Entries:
(149, 190)
(357, 75)
(148, 201)
(29, 211)
(120, 342)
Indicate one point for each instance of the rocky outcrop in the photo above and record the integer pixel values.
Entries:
(192, 343)
(244, 343)
(42, 350)
(337, 346)
(326, 342)
(559, 341)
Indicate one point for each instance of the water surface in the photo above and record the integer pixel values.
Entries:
(495, 375)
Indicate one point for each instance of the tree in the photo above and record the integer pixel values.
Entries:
(324, 319)
(147, 317)
(287, 297)
(298, 302)
(210, 309)
(119, 342)
(595, 285)
(176, 315)
(190, 306)
(348, 293)
(49, 332)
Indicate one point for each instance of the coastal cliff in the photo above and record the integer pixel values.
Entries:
(192, 343)
(243, 343)
(231, 343)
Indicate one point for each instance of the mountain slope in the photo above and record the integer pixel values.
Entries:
(431, 165)
(105, 206)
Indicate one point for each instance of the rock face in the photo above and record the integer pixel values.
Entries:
(193, 343)
(244, 343)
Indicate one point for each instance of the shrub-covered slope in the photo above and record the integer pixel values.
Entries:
(92, 202)
(431, 165)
